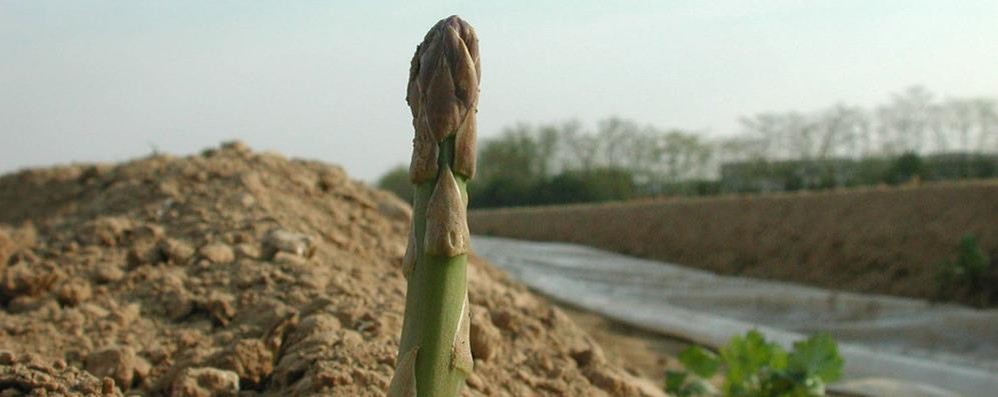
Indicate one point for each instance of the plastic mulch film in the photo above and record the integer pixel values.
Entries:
(891, 346)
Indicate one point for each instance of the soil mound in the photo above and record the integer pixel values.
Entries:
(241, 273)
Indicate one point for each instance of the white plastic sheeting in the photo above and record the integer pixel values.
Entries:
(891, 346)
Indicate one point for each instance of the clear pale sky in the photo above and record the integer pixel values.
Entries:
(110, 80)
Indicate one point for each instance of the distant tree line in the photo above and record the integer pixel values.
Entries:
(913, 135)
(794, 175)
(913, 121)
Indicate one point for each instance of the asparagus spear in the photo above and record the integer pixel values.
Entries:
(434, 352)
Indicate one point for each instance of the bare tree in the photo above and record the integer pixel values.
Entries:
(800, 132)
(548, 141)
(956, 119)
(740, 148)
(640, 156)
(841, 130)
(765, 131)
(903, 124)
(614, 135)
(582, 148)
(987, 124)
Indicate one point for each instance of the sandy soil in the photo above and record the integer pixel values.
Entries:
(241, 273)
(643, 353)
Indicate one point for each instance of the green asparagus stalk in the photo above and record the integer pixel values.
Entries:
(434, 355)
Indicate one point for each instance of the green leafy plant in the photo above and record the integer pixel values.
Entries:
(701, 364)
(969, 266)
(755, 367)
(969, 276)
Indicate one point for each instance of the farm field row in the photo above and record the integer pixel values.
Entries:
(876, 240)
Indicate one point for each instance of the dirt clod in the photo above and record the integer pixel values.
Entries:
(108, 273)
(205, 382)
(28, 375)
(23, 279)
(217, 253)
(177, 251)
(288, 242)
(73, 292)
(248, 358)
(118, 363)
(485, 338)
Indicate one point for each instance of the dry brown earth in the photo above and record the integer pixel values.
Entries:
(242, 273)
